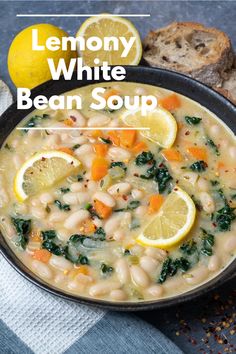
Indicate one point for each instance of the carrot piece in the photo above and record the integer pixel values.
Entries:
(102, 209)
(110, 92)
(96, 133)
(101, 149)
(99, 168)
(140, 146)
(67, 150)
(170, 102)
(69, 122)
(114, 137)
(88, 227)
(198, 153)
(155, 202)
(35, 236)
(127, 138)
(172, 155)
(42, 255)
(82, 269)
(220, 165)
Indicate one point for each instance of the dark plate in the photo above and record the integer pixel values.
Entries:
(210, 99)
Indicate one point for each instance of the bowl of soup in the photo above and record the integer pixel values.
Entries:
(116, 210)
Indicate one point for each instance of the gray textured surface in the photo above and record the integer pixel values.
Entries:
(221, 14)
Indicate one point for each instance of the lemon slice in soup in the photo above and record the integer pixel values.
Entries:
(161, 123)
(42, 171)
(172, 222)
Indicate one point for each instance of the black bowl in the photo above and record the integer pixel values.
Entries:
(193, 89)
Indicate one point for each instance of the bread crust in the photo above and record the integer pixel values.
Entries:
(178, 48)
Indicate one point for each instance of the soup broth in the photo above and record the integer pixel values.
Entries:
(80, 234)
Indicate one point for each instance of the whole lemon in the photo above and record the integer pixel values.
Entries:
(29, 68)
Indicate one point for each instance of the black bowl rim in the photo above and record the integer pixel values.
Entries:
(143, 75)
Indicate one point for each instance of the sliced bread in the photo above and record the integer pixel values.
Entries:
(228, 88)
(192, 49)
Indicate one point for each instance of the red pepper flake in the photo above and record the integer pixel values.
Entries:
(73, 118)
(187, 132)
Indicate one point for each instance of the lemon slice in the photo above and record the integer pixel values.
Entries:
(41, 171)
(162, 125)
(172, 223)
(105, 25)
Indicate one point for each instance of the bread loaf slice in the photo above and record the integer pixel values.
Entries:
(192, 49)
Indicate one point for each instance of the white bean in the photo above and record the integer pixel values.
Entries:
(203, 184)
(155, 291)
(84, 279)
(83, 197)
(120, 188)
(77, 116)
(60, 278)
(76, 218)
(38, 212)
(57, 216)
(126, 219)
(149, 264)
(190, 177)
(119, 235)
(114, 122)
(92, 186)
(46, 198)
(79, 140)
(232, 153)
(118, 295)
(207, 202)
(99, 120)
(140, 91)
(77, 187)
(156, 253)
(83, 150)
(214, 263)
(63, 234)
(75, 285)
(112, 224)
(119, 154)
(197, 275)
(105, 198)
(136, 194)
(42, 269)
(60, 263)
(122, 270)
(53, 141)
(70, 198)
(139, 276)
(215, 131)
(141, 210)
(230, 243)
(103, 288)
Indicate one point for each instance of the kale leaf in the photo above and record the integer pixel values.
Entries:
(64, 207)
(144, 158)
(23, 228)
(199, 166)
(208, 241)
(192, 120)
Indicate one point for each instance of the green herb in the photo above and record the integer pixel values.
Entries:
(211, 143)
(119, 164)
(131, 206)
(23, 228)
(53, 248)
(224, 217)
(48, 235)
(189, 247)
(100, 234)
(214, 183)
(64, 207)
(64, 190)
(144, 158)
(208, 241)
(76, 146)
(33, 121)
(76, 238)
(105, 141)
(199, 166)
(170, 268)
(192, 120)
(162, 177)
(75, 258)
(80, 178)
(106, 269)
